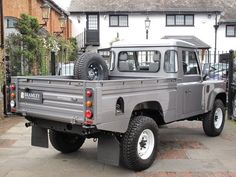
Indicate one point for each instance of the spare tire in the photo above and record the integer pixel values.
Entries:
(90, 66)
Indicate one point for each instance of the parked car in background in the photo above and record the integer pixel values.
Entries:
(65, 69)
(215, 71)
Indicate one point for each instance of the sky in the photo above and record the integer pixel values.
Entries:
(63, 3)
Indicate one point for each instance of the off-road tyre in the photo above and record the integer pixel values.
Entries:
(90, 66)
(130, 157)
(213, 121)
(65, 142)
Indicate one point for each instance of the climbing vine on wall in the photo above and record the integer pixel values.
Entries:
(30, 49)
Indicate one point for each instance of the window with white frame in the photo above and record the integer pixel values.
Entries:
(118, 20)
(231, 31)
(180, 20)
(11, 22)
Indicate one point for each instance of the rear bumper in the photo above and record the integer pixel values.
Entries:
(80, 129)
(50, 113)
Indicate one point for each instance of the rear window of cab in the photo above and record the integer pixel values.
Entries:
(139, 61)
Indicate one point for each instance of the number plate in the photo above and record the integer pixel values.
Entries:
(31, 96)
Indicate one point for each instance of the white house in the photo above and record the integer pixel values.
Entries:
(210, 24)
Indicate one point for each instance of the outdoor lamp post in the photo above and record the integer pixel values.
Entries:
(45, 13)
(62, 21)
(147, 26)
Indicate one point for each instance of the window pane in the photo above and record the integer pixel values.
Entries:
(230, 30)
(171, 61)
(179, 19)
(190, 64)
(189, 20)
(92, 22)
(113, 20)
(123, 20)
(139, 61)
(170, 20)
(11, 23)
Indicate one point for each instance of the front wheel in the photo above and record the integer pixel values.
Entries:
(140, 143)
(213, 122)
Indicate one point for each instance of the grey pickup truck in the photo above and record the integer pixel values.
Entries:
(121, 104)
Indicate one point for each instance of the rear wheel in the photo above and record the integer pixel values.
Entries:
(213, 122)
(139, 144)
(65, 142)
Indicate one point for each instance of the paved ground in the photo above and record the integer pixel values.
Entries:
(184, 152)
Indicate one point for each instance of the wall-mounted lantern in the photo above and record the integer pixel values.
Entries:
(147, 26)
(45, 13)
(62, 21)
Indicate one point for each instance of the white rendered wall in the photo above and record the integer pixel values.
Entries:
(225, 43)
(203, 29)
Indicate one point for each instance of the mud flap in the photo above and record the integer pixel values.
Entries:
(39, 137)
(108, 150)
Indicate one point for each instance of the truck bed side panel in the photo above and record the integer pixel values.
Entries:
(133, 93)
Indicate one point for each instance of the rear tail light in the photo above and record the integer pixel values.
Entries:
(13, 97)
(88, 114)
(89, 104)
(12, 103)
(12, 87)
(89, 93)
(88, 122)
(88, 107)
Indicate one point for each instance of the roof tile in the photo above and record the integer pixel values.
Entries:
(227, 6)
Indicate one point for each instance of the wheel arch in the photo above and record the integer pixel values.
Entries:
(152, 109)
(217, 93)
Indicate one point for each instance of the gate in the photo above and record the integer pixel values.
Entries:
(232, 87)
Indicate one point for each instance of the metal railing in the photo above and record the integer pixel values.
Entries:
(81, 40)
(232, 87)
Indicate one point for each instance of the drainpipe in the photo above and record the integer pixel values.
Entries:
(30, 7)
(216, 26)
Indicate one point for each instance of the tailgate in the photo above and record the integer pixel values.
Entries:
(53, 99)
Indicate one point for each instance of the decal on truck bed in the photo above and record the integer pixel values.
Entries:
(31, 96)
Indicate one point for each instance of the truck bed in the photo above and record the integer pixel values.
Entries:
(63, 97)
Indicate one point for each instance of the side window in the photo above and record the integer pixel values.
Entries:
(139, 61)
(127, 61)
(109, 57)
(190, 64)
(171, 61)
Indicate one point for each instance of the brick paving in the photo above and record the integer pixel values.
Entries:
(184, 152)
(5, 143)
(7, 123)
(187, 174)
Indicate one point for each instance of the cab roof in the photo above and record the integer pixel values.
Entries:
(152, 43)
